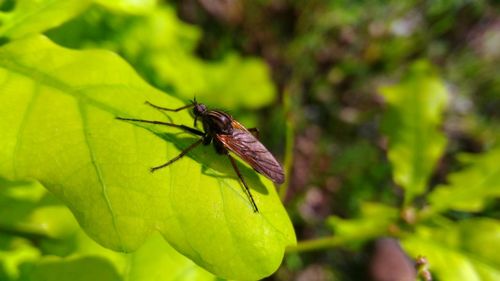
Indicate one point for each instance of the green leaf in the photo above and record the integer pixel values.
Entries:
(129, 6)
(58, 123)
(25, 207)
(15, 251)
(411, 123)
(242, 82)
(464, 251)
(75, 255)
(28, 214)
(469, 189)
(74, 268)
(34, 16)
(155, 260)
(374, 221)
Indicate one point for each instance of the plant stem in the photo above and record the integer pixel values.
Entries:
(316, 244)
(289, 142)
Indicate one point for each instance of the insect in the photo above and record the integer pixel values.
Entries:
(226, 135)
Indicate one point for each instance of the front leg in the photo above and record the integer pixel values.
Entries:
(182, 127)
(183, 152)
(169, 109)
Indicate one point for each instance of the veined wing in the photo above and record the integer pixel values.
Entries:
(252, 151)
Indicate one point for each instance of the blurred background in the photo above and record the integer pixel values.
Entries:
(310, 75)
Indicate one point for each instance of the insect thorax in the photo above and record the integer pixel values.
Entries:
(217, 122)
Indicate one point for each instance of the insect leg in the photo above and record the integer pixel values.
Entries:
(170, 109)
(186, 150)
(182, 127)
(255, 132)
(235, 167)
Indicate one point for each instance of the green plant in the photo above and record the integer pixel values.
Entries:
(449, 229)
(58, 109)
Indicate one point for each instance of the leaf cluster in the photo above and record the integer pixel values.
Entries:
(445, 224)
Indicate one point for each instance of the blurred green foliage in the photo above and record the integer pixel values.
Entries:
(415, 110)
(46, 243)
(471, 189)
(25, 17)
(462, 250)
(165, 56)
(415, 107)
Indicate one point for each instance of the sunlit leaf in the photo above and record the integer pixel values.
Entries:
(25, 207)
(14, 251)
(470, 188)
(464, 251)
(231, 82)
(73, 268)
(414, 114)
(374, 221)
(155, 260)
(74, 256)
(34, 16)
(58, 123)
(129, 6)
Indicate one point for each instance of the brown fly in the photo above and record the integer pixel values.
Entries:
(226, 134)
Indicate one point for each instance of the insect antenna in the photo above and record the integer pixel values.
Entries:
(170, 109)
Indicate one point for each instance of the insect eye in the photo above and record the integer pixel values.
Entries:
(199, 109)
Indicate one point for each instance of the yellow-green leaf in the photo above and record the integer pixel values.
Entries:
(129, 6)
(468, 190)
(58, 109)
(34, 16)
(374, 221)
(414, 113)
(464, 251)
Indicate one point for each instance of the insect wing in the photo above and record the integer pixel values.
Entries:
(252, 151)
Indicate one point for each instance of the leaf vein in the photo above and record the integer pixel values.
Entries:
(22, 127)
(98, 171)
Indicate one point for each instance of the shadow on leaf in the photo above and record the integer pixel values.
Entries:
(213, 164)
